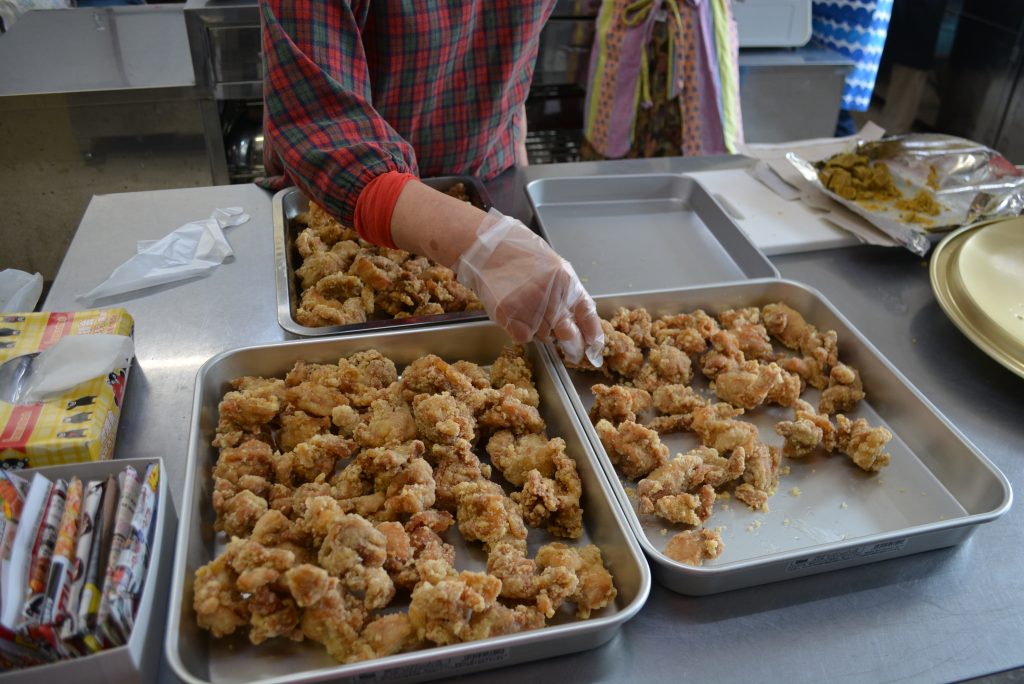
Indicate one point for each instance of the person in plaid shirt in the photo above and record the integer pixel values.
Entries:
(362, 96)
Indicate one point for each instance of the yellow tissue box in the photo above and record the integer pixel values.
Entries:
(79, 425)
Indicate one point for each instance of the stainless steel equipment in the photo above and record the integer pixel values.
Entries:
(290, 202)
(196, 657)
(826, 514)
(642, 232)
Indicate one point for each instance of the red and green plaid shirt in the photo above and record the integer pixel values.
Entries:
(356, 88)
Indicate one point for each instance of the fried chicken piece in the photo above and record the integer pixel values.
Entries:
(785, 324)
(275, 530)
(432, 375)
(237, 515)
(376, 271)
(693, 547)
(862, 443)
(334, 621)
(256, 565)
(315, 398)
(411, 490)
(400, 559)
(219, 606)
(664, 425)
(384, 636)
(292, 502)
(747, 385)
(750, 332)
(326, 227)
(454, 465)
(375, 369)
(512, 367)
(717, 428)
(443, 603)
(522, 581)
(297, 426)
(665, 492)
(787, 391)
(665, 365)
(386, 423)
(251, 408)
(485, 514)
(424, 530)
(621, 354)
(477, 375)
(443, 419)
(618, 403)
(844, 390)
(596, 589)
(508, 409)
(553, 503)
(345, 288)
(307, 243)
(499, 620)
(515, 456)
(725, 354)
(354, 551)
(252, 457)
(315, 310)
(635, 323)
(761, 476)
(311, 458)
(635, 449)
(687, 332)
(319, 265)
(686, 508)
(272, 614)
(807, 431)
(308, 584)
(346, 419)
(675, 399)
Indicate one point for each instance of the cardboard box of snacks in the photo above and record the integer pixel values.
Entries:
(137, 660)
(78, 425)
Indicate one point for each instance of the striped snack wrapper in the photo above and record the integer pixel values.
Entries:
(87, 522)
(42, 553)
(130, 570)
(130, 490)
(58, 583)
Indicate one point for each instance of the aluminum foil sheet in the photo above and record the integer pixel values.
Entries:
(968, 181)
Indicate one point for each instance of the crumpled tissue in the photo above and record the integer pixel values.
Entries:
(19, 291)
(194, 249)
(74, 359)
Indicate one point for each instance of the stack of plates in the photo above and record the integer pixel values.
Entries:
(977, 274)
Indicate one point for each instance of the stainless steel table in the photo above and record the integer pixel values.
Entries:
(941, 616)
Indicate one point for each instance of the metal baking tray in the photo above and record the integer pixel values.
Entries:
(642, 232)
(827, 514)
(197, 657)
(290, 202)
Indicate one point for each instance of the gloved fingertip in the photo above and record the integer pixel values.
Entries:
(594, 355)
(572, 349)
(519, 332)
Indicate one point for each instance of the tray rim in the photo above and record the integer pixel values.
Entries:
(945, 257)
(602, 628)
(282, 278)
(702, 576)
(684, 177)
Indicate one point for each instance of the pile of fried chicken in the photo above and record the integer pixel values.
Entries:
(651, 363)
(338, 484)
(345, 280)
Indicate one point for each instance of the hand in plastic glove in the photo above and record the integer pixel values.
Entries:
(529, 290)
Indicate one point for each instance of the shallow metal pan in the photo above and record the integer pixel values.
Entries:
(642, 232)
(197, 657)
(290, 202)
(827, 514)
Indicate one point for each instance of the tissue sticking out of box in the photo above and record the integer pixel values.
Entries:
(71, 361)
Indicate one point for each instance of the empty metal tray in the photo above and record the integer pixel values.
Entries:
(198, 657)
(290, 202)
(642, 232)
(827, 513)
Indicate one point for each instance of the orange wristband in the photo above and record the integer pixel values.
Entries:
(376, 204)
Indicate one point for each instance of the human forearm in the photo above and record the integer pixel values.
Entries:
(433, 224)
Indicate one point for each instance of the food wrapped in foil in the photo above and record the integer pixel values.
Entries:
(917, 187)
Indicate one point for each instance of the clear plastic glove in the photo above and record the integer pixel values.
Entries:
(529, 290)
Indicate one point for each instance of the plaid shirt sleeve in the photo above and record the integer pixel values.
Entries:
(321, 130)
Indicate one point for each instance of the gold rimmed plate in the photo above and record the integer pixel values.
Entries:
(977, 274)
